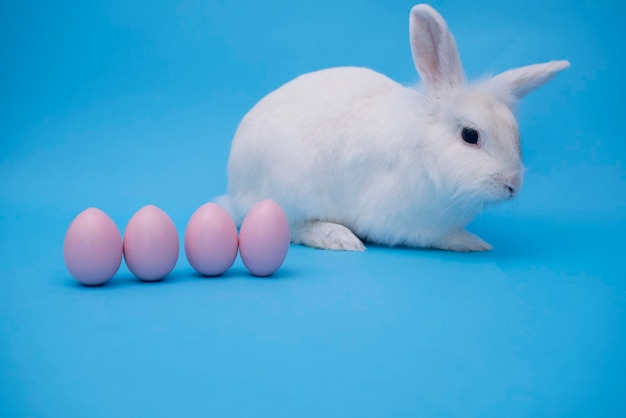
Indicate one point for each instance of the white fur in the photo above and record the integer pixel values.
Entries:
(348, 153)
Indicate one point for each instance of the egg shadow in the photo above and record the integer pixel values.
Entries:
(70, 282)
(228, 274)
(280, 274)
(126, 279)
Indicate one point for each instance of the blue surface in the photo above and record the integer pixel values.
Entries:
(118, 104)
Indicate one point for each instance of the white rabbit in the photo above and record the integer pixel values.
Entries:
(350, 154)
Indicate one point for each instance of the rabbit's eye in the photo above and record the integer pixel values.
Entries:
(470, 136)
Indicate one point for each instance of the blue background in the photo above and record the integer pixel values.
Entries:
(118, 104)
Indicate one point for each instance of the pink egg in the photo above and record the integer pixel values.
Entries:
(92, 248)
(150, 244)
(264, 238)
(211, 240)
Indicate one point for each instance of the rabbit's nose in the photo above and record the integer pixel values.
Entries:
(514, 184)
(511, 190)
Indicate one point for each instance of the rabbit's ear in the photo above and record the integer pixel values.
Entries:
(434, 49)
(518, 82)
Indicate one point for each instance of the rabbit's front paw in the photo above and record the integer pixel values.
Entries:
(326, 235)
